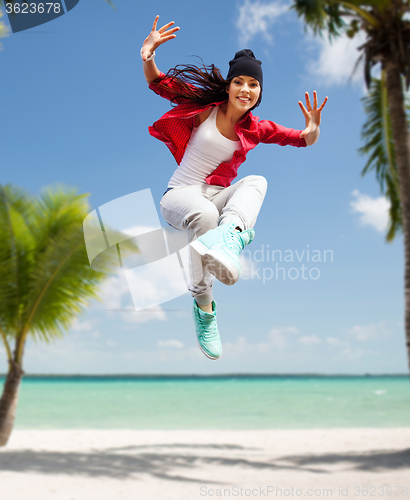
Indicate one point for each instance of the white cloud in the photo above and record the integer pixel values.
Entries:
(278, 339)
(256, 18)
(335, 341)
(116, 298)
(83, 325)
(309, 340)
(160, 356)
(235, 349)
(368, 332)
(373, 211)
(279, 351)
(114, 291)
(156, 283)
(137, 317)
(85, 328)
(337, 59)
(170, 343)
(352, 353)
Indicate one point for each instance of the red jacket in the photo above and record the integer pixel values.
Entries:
(175, 128)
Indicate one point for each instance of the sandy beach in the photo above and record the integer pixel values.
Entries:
(127, 464)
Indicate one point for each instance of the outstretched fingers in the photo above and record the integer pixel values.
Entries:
(315, 102)
(167, 35)
(169, 32)
(160, 36)
(309, 106)
(165, 27)
(165, 39)
(323, 104)
(304, 110)
(154, 26)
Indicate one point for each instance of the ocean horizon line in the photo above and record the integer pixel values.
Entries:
(205, 376)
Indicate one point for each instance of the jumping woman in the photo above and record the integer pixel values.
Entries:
(209, 132)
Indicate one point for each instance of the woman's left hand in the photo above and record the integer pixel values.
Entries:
(312, 116)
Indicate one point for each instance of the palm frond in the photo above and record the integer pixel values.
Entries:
(62, 284)
(16, 246)
(59, 208)
(321, 15)
(395, 213)
(3, 337)
(364, 9)
(329, 15)
(379, 148)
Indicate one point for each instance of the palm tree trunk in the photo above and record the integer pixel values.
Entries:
(8, 401)
(401, 139)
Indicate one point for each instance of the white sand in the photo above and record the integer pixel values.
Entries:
(133, 465)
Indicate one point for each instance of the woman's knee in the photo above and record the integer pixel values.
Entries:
(259, 182)
(202, 220)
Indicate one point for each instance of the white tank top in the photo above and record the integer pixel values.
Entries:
(206, 150)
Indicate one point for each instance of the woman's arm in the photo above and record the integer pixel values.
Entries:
(312, 116)
(152, 42)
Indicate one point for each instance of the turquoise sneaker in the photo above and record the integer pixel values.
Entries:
(207, 334)
(219, 249)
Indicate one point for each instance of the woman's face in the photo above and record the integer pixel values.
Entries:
(243, 92)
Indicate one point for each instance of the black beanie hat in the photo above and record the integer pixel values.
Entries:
(245, 63)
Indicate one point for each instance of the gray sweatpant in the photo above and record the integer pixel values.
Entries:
(201, 207)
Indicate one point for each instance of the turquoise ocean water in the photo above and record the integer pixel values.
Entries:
(233, 402)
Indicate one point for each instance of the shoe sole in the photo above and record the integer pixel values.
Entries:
(216, 264)
(206, 354)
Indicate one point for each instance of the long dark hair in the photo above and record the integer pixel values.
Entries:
(210, 85)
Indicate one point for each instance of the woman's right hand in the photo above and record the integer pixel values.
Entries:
(156, 38)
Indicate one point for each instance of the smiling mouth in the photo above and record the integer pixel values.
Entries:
(243, 99)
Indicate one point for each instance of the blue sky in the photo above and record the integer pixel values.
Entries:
(76, 109)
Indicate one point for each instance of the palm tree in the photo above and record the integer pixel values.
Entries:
(387, 43)
(46, 279)
(379, 149)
